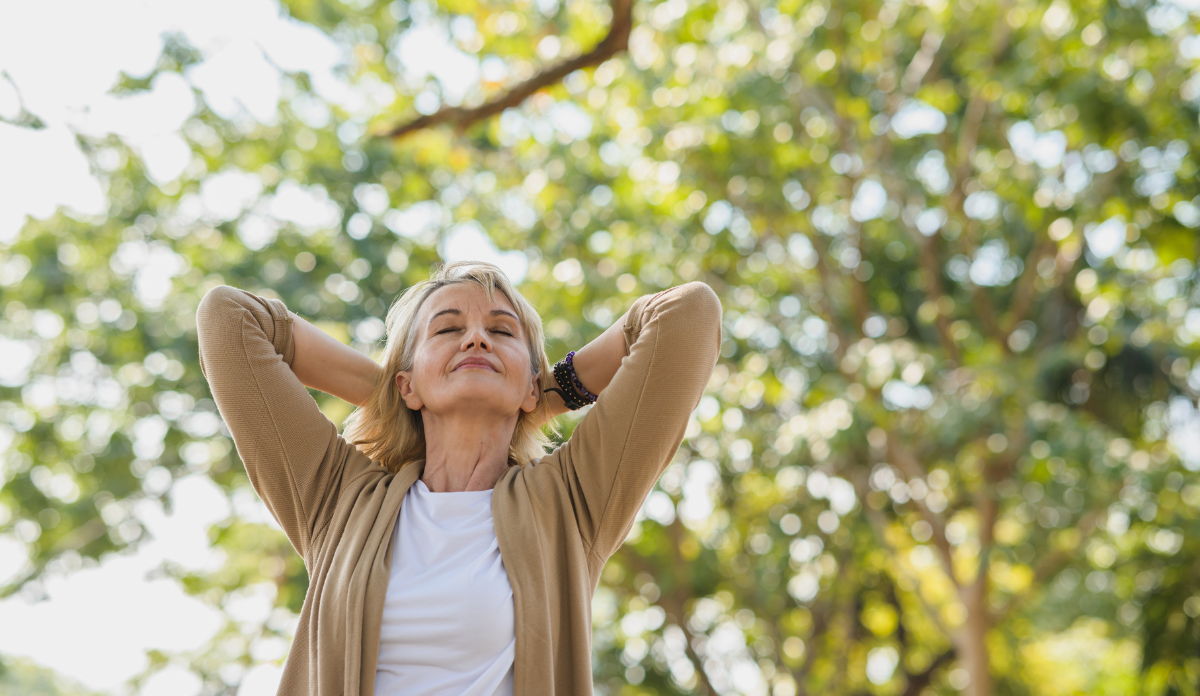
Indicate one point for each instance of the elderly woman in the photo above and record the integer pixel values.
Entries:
(448, 553)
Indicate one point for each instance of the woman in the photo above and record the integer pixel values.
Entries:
(447, 553)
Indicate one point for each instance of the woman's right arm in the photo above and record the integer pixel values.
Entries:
(295, 457)
(325, 363)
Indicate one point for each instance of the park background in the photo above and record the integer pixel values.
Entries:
(951, 442)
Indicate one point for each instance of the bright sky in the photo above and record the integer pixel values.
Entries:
(98, 622)
(63, 76)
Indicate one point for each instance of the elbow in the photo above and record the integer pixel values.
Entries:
(227, 311)
(691, 315)
(704, 308)
(213, 315)
(215, 305)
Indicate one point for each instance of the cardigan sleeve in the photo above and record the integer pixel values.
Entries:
(295, 457)
(628, 438)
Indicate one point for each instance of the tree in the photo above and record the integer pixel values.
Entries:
(955, 244)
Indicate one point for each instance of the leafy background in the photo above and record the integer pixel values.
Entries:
(951, 442)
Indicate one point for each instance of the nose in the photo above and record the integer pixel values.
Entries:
(476, 336)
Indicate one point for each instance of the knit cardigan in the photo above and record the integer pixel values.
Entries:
(557, 520)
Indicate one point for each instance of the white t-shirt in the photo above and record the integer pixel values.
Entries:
(448, 622)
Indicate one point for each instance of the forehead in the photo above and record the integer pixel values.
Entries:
(465, 297)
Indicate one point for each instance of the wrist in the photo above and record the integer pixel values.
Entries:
(569, 387)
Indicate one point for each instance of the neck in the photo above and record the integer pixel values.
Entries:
(465, 451)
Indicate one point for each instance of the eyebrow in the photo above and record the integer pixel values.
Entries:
(494, 313)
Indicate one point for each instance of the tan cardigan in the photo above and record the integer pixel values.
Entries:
(557, 520)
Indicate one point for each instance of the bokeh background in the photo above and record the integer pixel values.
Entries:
(951, 442)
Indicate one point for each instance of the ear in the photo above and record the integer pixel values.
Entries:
(409, 395)
(531, 399)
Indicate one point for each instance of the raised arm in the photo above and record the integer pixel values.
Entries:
(670, 340)
(325, 363)
(596, 363)
(293, 454)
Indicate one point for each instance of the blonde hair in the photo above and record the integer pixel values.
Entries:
(388, 431)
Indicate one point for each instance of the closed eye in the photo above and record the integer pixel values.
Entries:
(506, 333)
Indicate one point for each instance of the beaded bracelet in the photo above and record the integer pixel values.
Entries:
(564, 374)
(590, 397)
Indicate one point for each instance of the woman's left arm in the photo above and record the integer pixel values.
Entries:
(596, 363)
(649, 383)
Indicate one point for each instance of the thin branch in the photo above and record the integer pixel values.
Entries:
(987, 315)
(615, 42)
(74, 540)
(1048, 567)
(968, 137)
(918, 682)
(688, 648)
(877, 525)
(984, 309)
(821, 613)
(675, 600)
(933, 279)
(977, 103)
(919, 66)
(24, 118)
(927, 253)
(827, 282)
(682, 593)
(800, 674)
(1024, 294)
(911, 468)
(996, 471)
(859, 295)
(848, 616)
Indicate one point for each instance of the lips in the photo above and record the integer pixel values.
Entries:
(476, 362)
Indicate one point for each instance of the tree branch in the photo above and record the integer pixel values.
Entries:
(23, 119)
(918, 682)
(933, 277)
(674, 599)
(1048, 567)
(977, 103)
(919, 66)
(74, 540)
(827, 281)
(1024, 294)
(911, 468)
(799, 674)
(615, 42)
(996, 471)
(968, 137)
(878, 526)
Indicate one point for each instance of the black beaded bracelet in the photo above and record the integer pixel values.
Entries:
(587, 395)
(574, 394)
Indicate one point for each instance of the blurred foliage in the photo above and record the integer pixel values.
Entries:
(944, 447)
(23, 677)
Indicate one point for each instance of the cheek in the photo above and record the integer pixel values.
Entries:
(517, 362)
(427, 365)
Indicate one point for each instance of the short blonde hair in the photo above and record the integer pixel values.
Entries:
(388, 431)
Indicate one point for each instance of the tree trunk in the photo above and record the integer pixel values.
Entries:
(971, 639)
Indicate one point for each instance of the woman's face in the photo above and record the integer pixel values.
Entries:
(472, 354)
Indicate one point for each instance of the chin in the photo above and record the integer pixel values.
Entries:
(475, 397)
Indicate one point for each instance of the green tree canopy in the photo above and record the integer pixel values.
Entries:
(951, 441)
